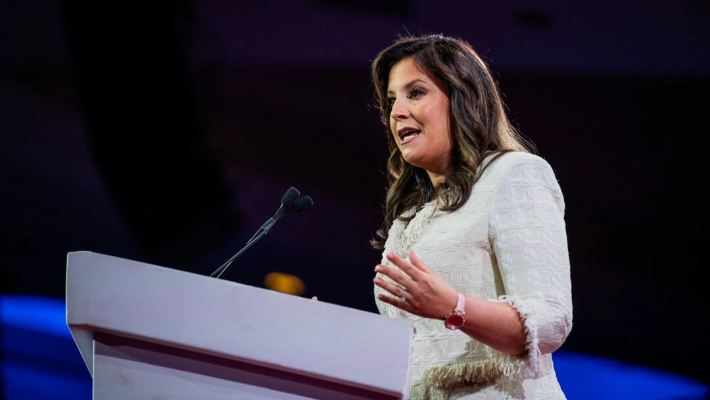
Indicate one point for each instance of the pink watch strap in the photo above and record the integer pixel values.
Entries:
(461, 303)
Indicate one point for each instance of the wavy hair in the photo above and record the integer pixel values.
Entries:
(478, 124)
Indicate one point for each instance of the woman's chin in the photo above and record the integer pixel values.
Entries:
(411, 157)
(413, 162)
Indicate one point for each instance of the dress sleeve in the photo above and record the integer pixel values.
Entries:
(528, 238)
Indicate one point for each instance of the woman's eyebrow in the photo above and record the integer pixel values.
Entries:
(409, 85)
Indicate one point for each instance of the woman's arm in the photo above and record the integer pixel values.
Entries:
(527, 235)
(495, 324)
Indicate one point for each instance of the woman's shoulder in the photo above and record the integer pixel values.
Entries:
(516, 159)
(519, 166)
(510, 158)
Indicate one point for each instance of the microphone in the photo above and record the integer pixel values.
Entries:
(289, 202)
(303, 204)
(289, 198)
(287, 205)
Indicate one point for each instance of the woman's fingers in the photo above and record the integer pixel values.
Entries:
(396, 290)
(395, 301)
(404, 265)
(393, 274)
(399, 295)
(417, 262)
(428, 295)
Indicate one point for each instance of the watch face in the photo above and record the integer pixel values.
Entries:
(454, 321)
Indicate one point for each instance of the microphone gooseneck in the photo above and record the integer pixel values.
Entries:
(289, 202)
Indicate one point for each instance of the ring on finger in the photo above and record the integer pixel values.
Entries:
(403, 297)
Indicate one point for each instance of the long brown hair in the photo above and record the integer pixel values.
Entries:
(479, 126)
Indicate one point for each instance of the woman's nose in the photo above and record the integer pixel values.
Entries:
(399, 109)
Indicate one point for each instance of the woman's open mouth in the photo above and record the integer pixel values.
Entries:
(407, 134)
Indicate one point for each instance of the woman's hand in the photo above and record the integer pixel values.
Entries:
(427, 295)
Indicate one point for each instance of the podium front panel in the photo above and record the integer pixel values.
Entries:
(131, 369)
(124, 313)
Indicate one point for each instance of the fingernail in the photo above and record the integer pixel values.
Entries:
(378, 268)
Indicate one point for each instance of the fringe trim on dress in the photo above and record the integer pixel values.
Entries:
(502, 368)
(531, 367)
(499, 368)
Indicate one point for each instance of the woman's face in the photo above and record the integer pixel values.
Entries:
(419, 119)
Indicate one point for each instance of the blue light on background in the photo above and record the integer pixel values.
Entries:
(41, 361)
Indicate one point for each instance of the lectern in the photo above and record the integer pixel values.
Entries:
(149, 332)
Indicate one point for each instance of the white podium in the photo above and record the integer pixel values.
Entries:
(148, 332)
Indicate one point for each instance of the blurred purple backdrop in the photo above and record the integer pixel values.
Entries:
(167, 134)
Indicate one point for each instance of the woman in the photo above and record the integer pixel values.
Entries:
(475, 250)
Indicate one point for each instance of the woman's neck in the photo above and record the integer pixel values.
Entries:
(436, 178)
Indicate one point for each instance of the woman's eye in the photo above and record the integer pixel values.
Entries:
(390, 101)
(415, 93)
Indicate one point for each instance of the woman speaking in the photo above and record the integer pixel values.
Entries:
(474, 243)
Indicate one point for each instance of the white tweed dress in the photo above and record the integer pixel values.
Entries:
(507, 243)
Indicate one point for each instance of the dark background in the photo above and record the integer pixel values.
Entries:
(167, 134)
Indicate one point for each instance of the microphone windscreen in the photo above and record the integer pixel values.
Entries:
(303, 204)
(290, 196)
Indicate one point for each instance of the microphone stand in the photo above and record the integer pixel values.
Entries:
(225, 267)
(261, 232)
(289, 203)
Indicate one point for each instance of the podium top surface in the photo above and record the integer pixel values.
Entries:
(234, 321)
